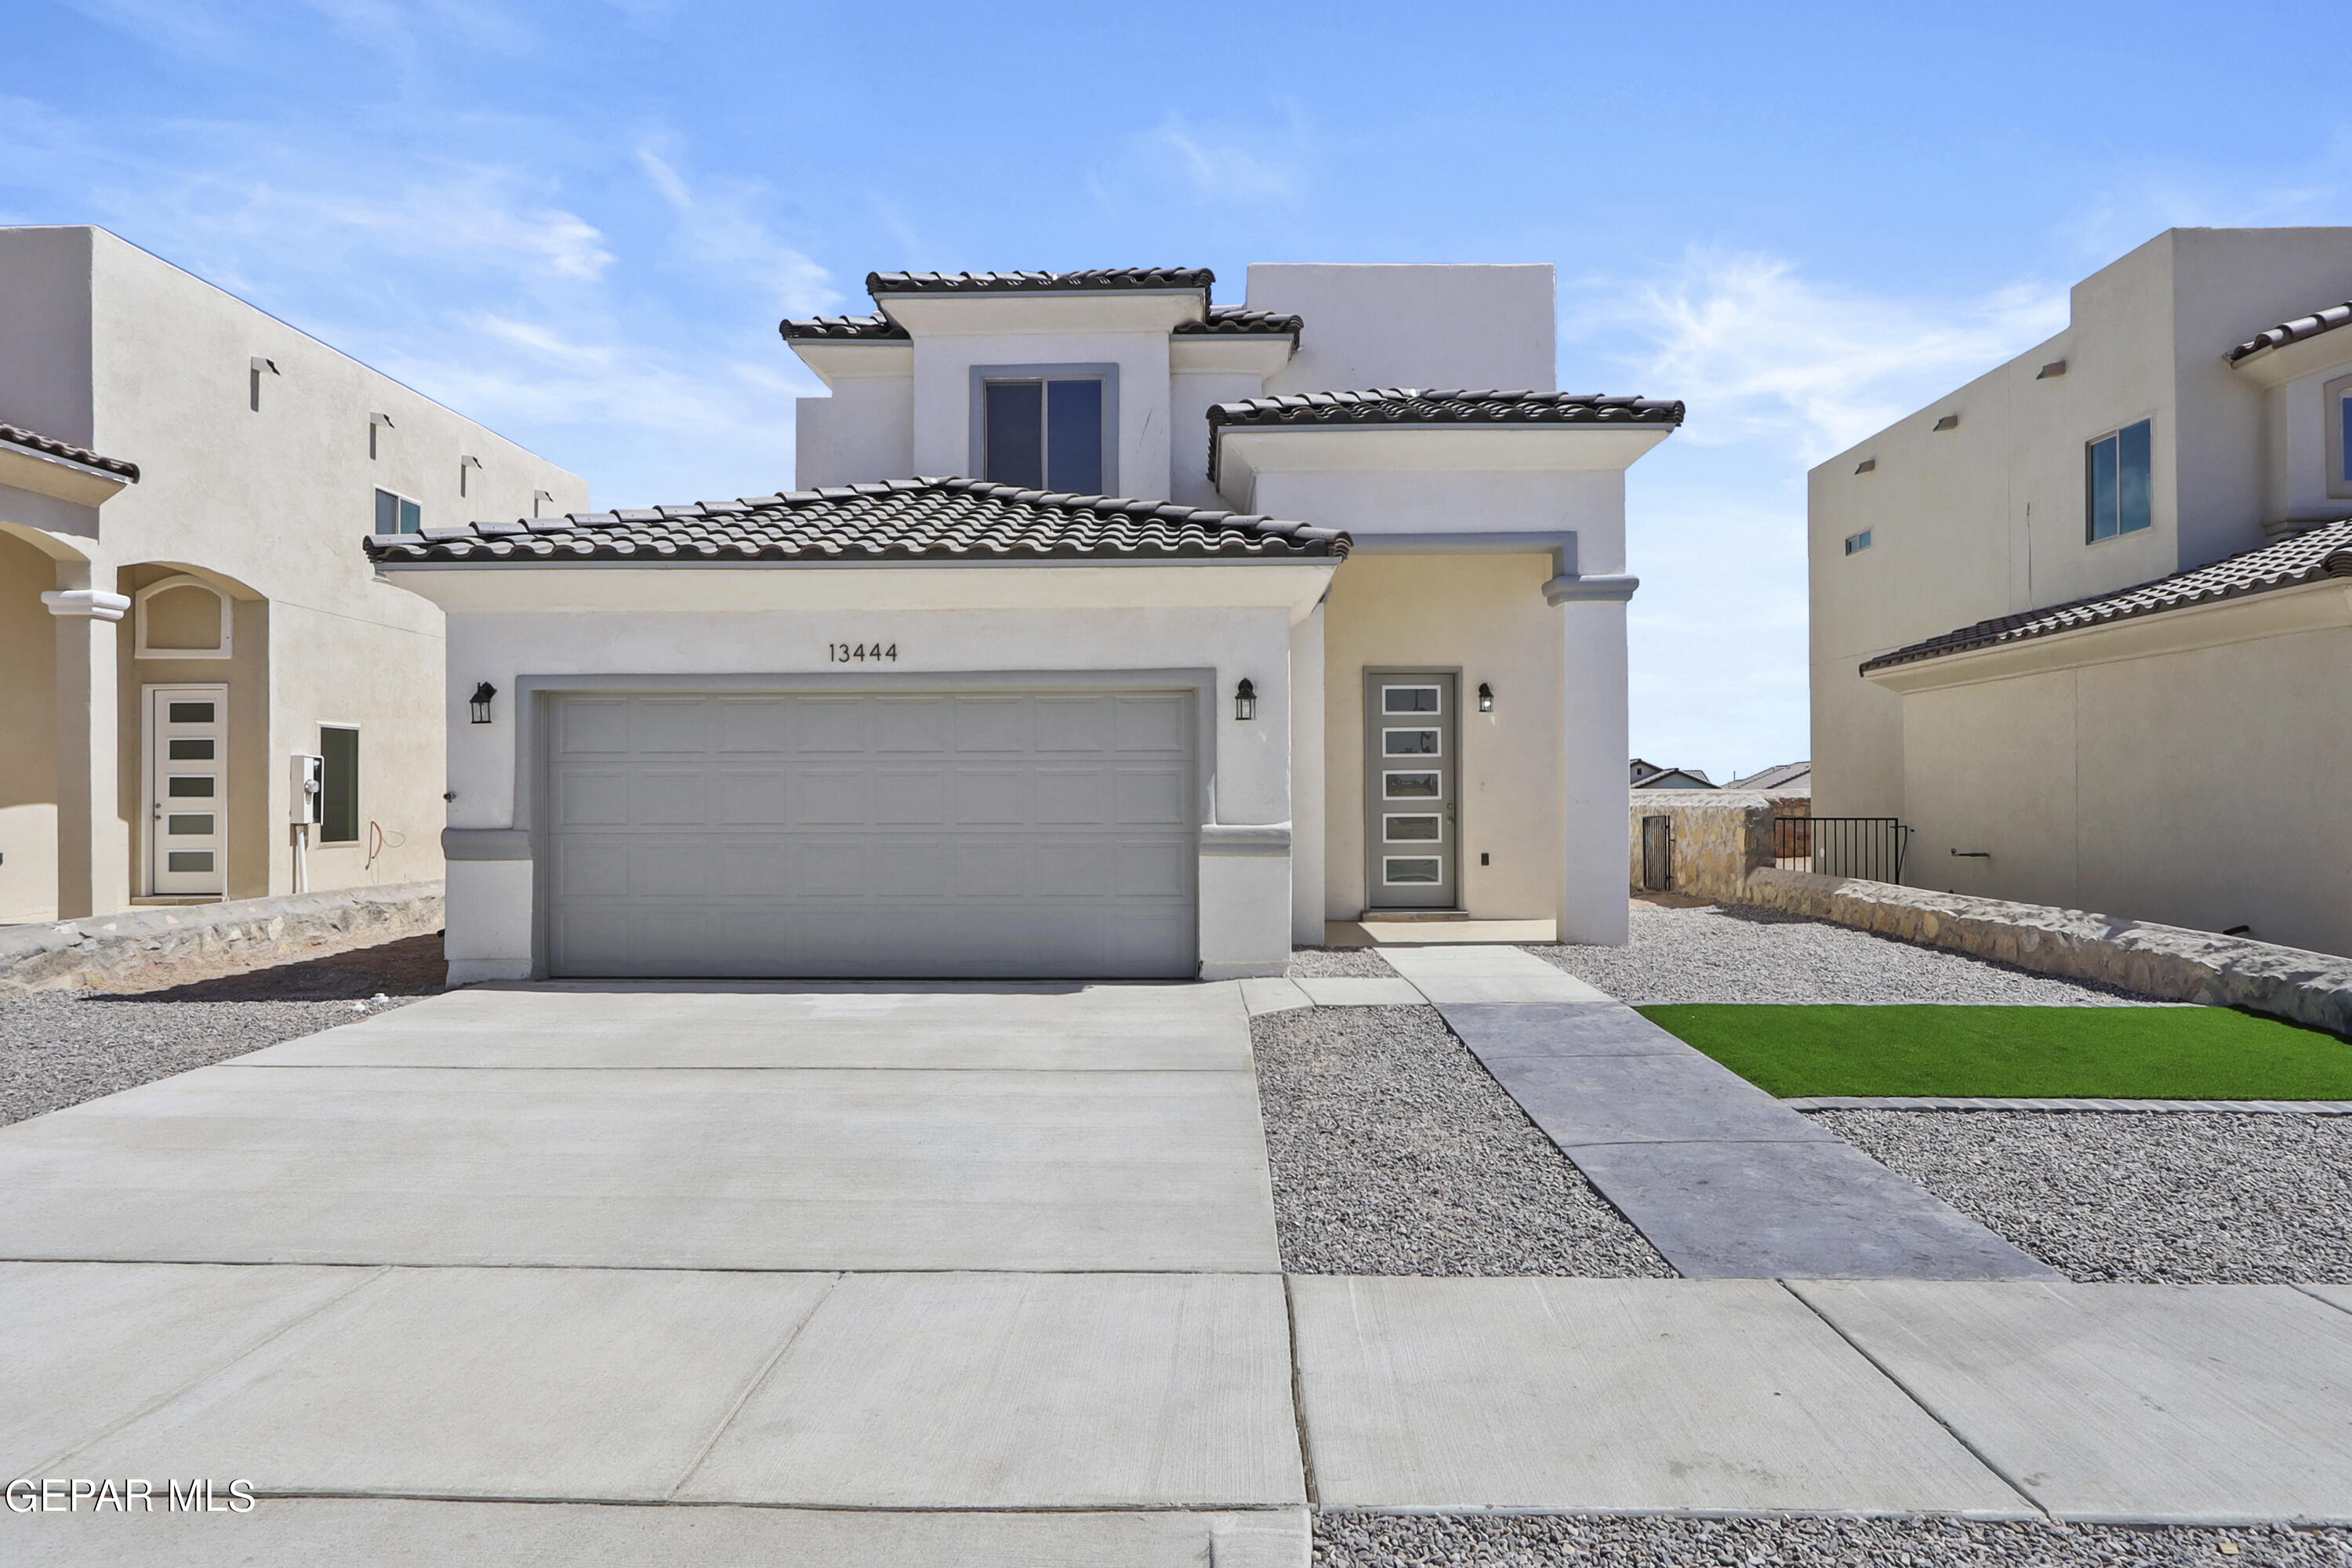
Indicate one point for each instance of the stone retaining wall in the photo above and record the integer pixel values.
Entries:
(117, 949)
(1721, 834)
(2170, 962)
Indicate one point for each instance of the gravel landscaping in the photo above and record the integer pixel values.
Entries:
(1503, 1541)
(2181, 1197)
(61, 1047)
(1394, 1153)
(1339, 964)
(1712, 955)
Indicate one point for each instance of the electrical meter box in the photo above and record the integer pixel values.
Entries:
(306, 794)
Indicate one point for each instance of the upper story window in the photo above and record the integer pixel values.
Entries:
(1856, 544)
(2121, 481)
(397, 514)
(2339, 437)
(1046, 428)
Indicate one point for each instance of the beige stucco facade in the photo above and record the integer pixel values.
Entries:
(260, 451)
(1987, 518)
(2186, 768)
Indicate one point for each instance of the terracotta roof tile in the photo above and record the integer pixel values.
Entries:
(2306, 558)
(1412, 405)
(876, 328)
(943, 520)
(48, 445)
(1094, 281)
(2293, 332)
(1240, 320)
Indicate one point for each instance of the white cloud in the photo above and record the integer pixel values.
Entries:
(1231, 166)
(1759, 352)
(719, 236)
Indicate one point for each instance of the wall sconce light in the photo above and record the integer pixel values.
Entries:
(480, 703)
(1485, 697)
(1245, 701)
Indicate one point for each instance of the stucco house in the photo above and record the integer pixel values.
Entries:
(181, 609)
(2083, 623)
(1211, 628)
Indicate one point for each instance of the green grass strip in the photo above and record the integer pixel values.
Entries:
(2119, 1053)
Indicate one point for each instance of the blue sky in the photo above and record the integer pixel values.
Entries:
(579, 223)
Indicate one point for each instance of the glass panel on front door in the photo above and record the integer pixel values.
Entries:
(188, 790)
(1411, 778)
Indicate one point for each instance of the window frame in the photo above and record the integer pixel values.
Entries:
(401, 500)
(984, 376)
(1856, 544)
(326, 790)
(2090, 482)
(2338, 418)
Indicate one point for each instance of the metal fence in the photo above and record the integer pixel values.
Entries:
(1868, 848)
(1657, 853)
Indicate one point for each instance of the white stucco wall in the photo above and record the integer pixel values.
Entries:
(1437, 326)
(505, 625)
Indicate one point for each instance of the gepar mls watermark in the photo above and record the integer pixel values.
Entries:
(132, 1494)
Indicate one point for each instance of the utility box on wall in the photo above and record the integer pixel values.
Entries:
(306, 791)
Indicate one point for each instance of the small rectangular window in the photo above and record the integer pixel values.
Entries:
(339, 801)
(192, 751)
(1044, 434)
(397, 514)
(1856, 544)
(184, 788)
(1410, 829)
(188, 713)
(2338, 408)
(1408, 698)
(188, 860)
(191, 824)
(2120, 482)
(1408, 743)
(1409, 786)
(1400, 871)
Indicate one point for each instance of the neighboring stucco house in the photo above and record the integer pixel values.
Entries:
(1647, 776)
(2133, 529)
(1784, 778)
(1195, 658)
(181, 611)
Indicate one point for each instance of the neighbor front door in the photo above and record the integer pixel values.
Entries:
(187, 789)
(1410, 775)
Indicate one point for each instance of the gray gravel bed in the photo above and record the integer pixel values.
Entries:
(2174, 1196)
(1395, 1153)
(1502, 1540)
(1713, 954)
(1339, 964)
(61, 1047)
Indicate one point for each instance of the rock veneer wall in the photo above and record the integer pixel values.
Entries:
(112, 950)
(1721, 834)
(2171, 962)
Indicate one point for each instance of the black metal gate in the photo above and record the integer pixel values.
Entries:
(1868, 848)
(1657, 853)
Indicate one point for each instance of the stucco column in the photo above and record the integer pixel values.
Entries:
(1307, 806)
(1592, 899)
(93, 848)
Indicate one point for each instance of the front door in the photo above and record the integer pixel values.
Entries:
(188, 790)
(1411, 771)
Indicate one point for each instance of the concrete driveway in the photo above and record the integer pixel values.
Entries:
(867, 1258)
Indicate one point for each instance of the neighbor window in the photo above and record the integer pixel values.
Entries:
(2121, 482)
(339, 803)
(1856, 544)
(2339, 437)
(1043, 432)
(397, 514)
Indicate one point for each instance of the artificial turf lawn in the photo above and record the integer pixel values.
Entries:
(2105, 1053)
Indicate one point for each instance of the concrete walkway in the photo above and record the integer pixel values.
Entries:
(650, 1172)
(1724, 1180)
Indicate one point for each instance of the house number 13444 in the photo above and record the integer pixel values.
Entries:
(861, 653)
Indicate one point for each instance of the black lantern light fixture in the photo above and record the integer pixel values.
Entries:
(480, 703)
(1485, 697)
(1245, 701)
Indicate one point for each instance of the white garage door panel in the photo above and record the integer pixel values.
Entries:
(950, 836)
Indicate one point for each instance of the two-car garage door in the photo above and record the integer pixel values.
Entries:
(982, 834)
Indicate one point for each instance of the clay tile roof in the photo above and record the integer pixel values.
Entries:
(1241, 321)
(1095, 282)
(1412, 405)
(2293, 332)
(49, 446)
(938, 520)
(874, 329)
(2306, 558)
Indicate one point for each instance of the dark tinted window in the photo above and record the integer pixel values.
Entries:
(339, 802)
(1074, 411)
(1015, 418)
